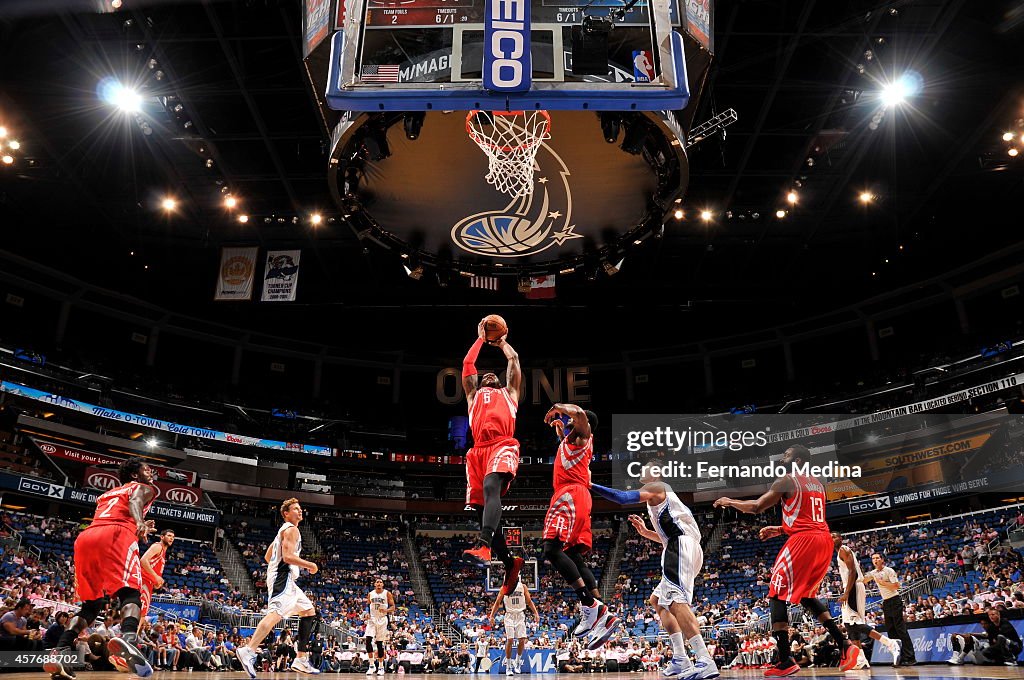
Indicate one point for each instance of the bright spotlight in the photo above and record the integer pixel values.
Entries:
(866, 197)
(3, 132)
(1013, 152)
(116, 94)
(792, 198)
(152, 442)
(678, 214)
(780, 214)
(705, 215)
(116, 4)
(316, 218)
(7, 159)
(168, 204)
(1007, 136)
(243, 218)
(14, 144)
(230, 202)
(901, 89)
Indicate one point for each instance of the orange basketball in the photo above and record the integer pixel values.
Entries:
(494, 327)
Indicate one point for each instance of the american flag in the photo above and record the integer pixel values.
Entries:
(485, 282)
(379, 73)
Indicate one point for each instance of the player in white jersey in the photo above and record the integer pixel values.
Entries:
(381, 603)
(853, 603)
(681, 560)
(516, 603)
(286, 599)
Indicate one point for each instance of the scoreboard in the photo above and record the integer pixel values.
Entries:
(440, 13)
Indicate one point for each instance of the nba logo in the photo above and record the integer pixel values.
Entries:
(643, 66)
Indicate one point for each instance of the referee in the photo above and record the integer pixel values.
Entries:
(892, 607)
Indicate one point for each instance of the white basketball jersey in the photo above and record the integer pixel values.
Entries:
(844, 571)
(279, 572)
(515, 602)
(672, 519)
(379, 605)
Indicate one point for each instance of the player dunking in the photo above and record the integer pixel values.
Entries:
(681, 560)
(567, 535)
(381, 603)
(153, 568)
(516, 603)
(492, 462)
(107, 565)
(803, 561)
(853, 603)
(286, 599)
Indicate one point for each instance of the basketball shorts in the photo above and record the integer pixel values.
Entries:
(681, 561)
(499, 456)
(289, 601)
(568, 517)
(106, 560)
(853, 609)
(515, 625)
(801, 565)
(378, 630)
(146, 595)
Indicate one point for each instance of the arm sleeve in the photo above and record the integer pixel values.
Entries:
(616, 496)
(469, 363)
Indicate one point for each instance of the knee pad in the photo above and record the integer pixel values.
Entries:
(813, 605)
(369, 645)
(779, 611)
(380, 648)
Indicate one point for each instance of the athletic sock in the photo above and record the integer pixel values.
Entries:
(886, 640)
(678, 648)
(586, 599)
(700, 650)
(836, 634)
(782, 641)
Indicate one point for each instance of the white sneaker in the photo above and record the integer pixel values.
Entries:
(590, 616)
(519, 665)
(372, 669)
(676, 668)
(302, 665)
(895, 648)
(247, 658)
(957, 659)
(603, 630)
(704, 669)
(380, 670)
(862, 661)
(510, 669)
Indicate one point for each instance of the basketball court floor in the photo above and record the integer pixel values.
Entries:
(935, 672)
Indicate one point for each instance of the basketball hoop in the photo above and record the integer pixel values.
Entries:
(511, 140)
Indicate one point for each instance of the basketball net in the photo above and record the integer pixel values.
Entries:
(511, 140)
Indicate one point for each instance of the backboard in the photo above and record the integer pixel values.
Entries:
(421, 55)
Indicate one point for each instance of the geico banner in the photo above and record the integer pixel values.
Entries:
(105, 480)
(89, 458)
(932, 645)
(156, 424)
(176, 513)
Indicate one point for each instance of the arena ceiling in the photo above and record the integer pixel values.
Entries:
(803, 76)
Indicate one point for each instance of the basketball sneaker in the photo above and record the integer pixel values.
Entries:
(780, 671)
(482, 553)
(131, 656)
(56, 669)
(372, 669)
(510, 669)
(676, 667)
(518, 665)
(589, 618)
(247, 658)
(302, 665)
(703, 669)
(512, 575)
(896, 648)
(850, 656)
(380, 670)
(602, 630)
(957, 659)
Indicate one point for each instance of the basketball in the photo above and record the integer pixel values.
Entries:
(494, 327)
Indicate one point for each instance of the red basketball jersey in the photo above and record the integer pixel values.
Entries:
(157, 563)
(572, 464)
(804, 510)
(112, 507)
(493, 416)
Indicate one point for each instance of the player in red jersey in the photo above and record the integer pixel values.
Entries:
(803, 561)
(107, 565)
(153, 568)
(492, 462)
(567, 535)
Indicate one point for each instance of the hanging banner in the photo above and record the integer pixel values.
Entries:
(236, 274)
(316, 20)
(281, 276)
(162, 473)
(105, 480)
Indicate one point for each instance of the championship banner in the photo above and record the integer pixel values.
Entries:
(89, 458)
(281, 276)
(105, 480)
(236, 274)
(156, 424)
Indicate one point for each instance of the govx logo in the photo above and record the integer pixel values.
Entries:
(507, 63)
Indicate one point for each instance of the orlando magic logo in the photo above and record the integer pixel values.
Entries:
(526, 225)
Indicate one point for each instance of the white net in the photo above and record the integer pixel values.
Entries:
(511, 140)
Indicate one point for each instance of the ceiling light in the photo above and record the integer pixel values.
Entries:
(243, 218)
(705, 215)
(169, 204)
(791, 198)
(316, 218)
(7, 159)
(3, 132)
(14, 144)
(678, 214)
(866, 197)
(1013, 152)
(780, 213)
(116, 94)
(230, 202)
(1008, 136)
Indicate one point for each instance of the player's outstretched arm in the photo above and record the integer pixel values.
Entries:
(580, 422)
(769, 499)
(514, 373)
(470, 379)
(654, 492)
(640, 525)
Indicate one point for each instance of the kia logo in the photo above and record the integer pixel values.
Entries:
(48, 448)
(102, 480)
(182, 496)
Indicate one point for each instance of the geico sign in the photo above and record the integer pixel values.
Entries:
(182, 495)
(102, 480)
(508, 45)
